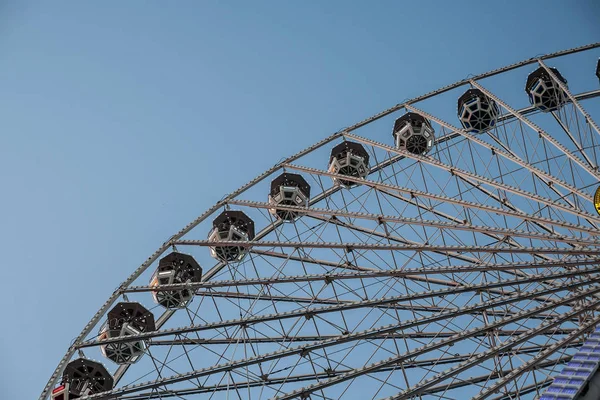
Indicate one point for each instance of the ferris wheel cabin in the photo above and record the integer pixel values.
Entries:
(126, 319)
(544, 92)
(288, 190)
(82, 377)
(231, 226)
(413, 133)
(350, 159)
(477, 112)
(175, 268)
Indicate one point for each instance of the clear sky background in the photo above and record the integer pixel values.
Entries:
(120, 121)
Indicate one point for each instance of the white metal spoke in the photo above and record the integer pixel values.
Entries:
(330, 277)
(422, 222)
(564, 88)
(462, 203)
(592, 171)
(477, 178)
(355, 305)
(386, 247)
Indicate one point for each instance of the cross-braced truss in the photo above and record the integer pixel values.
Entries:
(469, 268)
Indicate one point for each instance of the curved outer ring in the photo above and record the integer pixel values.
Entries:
(93, 322)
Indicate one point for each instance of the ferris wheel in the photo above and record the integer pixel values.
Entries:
(445, 248)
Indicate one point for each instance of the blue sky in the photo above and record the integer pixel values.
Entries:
(122, 121)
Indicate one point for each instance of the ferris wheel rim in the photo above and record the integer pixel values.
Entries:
(343, 133)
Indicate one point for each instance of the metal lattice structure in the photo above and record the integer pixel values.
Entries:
(457, 257)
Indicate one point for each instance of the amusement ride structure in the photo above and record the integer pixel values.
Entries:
(445, 248)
